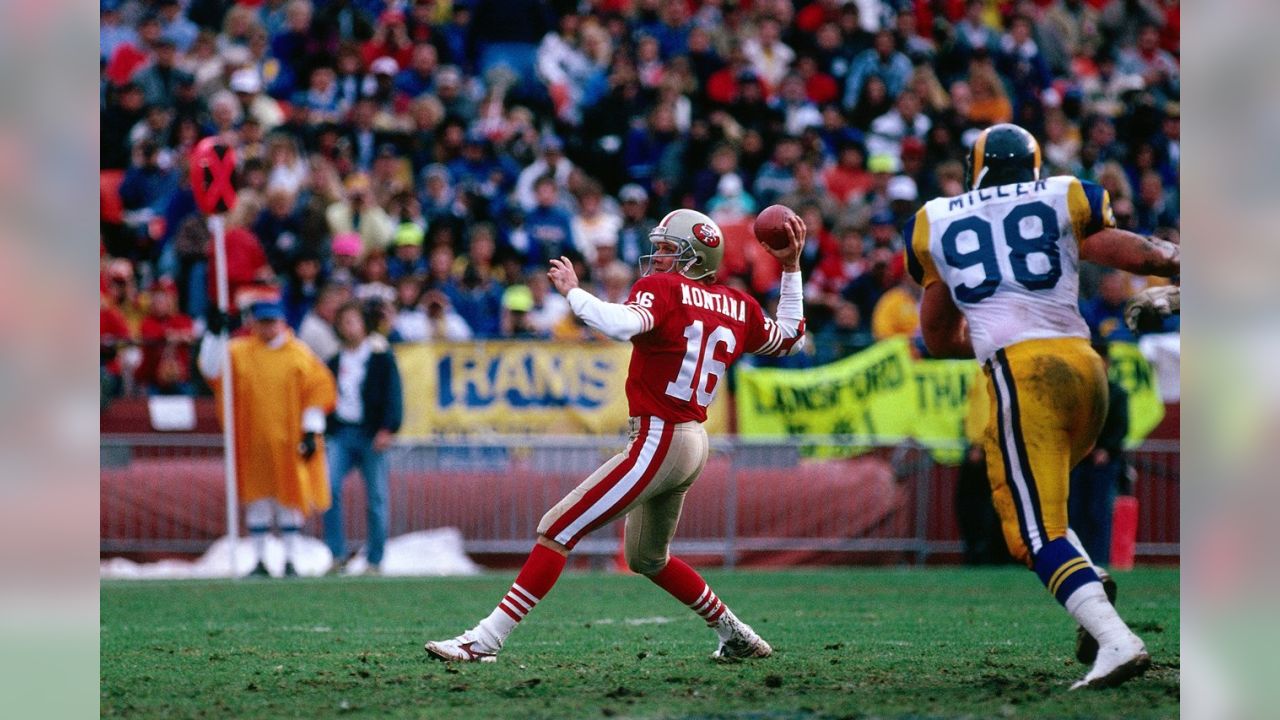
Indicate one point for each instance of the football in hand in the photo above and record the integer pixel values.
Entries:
(771, 226)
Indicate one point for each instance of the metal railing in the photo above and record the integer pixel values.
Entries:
(757, 500)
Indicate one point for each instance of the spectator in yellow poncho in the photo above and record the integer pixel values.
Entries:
(282, 393)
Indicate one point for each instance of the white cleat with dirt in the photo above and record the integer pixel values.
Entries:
(738, 641)
(1116, 663)
(467, 647)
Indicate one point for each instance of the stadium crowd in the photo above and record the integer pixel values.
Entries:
(429, 157)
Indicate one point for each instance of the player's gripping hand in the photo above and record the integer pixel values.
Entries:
(307, 446)
(563, 275)
(1146, 311)
(790, 255)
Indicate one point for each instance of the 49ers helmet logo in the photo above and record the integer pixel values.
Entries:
(706, 234)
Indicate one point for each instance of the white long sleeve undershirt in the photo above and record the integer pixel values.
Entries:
(617, 321)
(791, 308)
(623, 322)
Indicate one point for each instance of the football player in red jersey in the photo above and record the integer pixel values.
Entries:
(687, 331)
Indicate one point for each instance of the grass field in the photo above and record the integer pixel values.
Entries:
(848, 643)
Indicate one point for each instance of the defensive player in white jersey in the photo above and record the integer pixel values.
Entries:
(999, 265)
(687, 331)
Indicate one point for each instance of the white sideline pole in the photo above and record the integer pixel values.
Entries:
(218, 229)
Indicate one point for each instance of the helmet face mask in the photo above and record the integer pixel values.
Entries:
(697, 241)
(1001, 155)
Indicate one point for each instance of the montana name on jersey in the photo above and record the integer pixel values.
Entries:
(693, 333)
(1010, 256)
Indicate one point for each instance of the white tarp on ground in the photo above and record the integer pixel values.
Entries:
(430, 552)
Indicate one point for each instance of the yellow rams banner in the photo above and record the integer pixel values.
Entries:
(886, 394)
(514, 387)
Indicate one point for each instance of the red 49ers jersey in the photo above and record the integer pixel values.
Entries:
(693, 333)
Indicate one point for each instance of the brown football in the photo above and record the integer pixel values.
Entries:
(770, 226)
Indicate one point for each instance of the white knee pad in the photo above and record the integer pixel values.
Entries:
(260, 513)
(287, 517)
(257, 514)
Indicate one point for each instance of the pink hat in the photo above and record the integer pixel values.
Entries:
(348, 244)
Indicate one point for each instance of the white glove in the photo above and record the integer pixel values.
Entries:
(1145, 310)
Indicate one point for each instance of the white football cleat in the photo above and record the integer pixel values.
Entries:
(467, 647)
(1116, 663)
(738, 641)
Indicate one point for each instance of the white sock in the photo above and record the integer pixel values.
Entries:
(493, 630)
(1089, 606)
(290, 538)
(723, 626)
(259, 539)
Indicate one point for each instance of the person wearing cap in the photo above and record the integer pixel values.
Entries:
(167, 336)
(517, 303)
(551, 162)
(407, 258)
(362, 426)
(882, 168)
(120, 291)
(731, 199)
(246, 83)
(750, 108)
(633, 234)
(884, 231)
(903, 197)
(281, 394)
(550, 313)
(380, 84)
(479, 170)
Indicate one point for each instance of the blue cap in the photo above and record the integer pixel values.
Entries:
(884, 217)
(267, 310)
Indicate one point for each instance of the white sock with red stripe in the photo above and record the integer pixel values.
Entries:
(686, 585)
(535, 580)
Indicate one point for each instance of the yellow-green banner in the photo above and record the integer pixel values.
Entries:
(459, 389)
(869, 394)
(1131, 371)
(886, 394)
